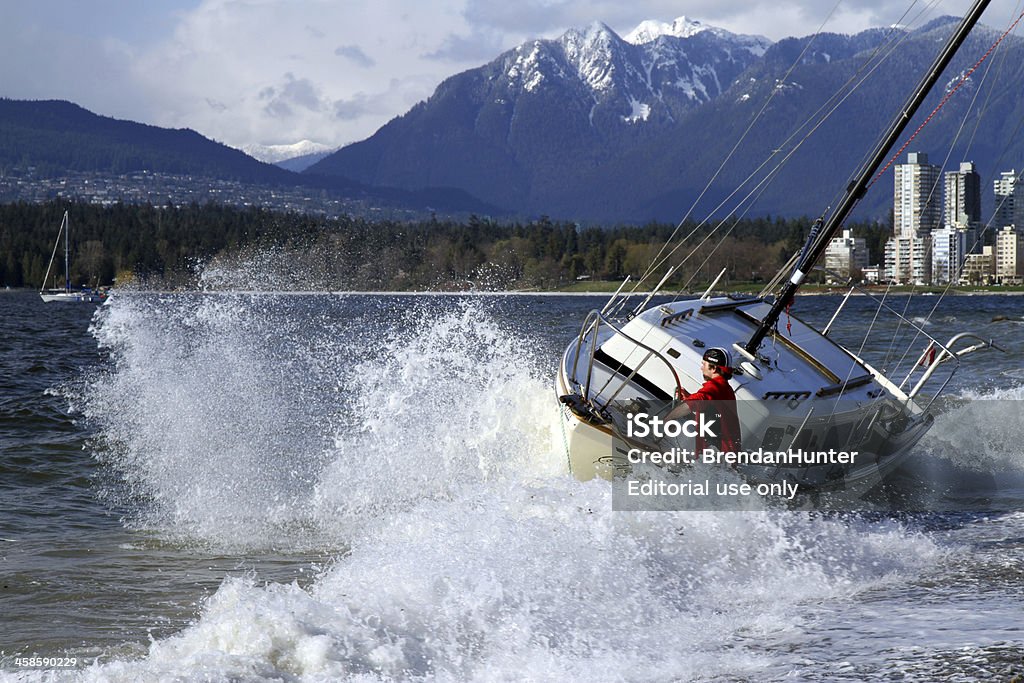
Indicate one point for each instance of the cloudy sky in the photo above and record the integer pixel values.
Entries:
(332, 71)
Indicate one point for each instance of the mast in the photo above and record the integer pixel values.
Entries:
(67, 267)
(858, 186)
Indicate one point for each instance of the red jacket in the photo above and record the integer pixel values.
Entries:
(723, 410)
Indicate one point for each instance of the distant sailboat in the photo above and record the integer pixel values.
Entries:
(83, 295)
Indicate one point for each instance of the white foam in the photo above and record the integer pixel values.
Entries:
(212, 415)
(471, 554)
(982, 430)
(542, 582)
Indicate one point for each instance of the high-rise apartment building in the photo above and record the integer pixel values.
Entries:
(1009, 209)
(961, 218)
(908, 260)
(1009, 254)
(980, 268)
(917, 201)
(917, 211)
(949, 249)
(962, 197)
(846, 254)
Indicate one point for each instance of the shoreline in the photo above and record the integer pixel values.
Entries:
(1015, 291)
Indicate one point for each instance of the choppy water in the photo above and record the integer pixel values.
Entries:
(323, 487)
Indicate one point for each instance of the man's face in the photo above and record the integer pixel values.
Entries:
(707, 369)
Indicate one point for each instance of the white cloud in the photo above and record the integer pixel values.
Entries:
(280, 82)
(292, 93)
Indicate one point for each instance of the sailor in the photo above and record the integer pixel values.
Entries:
(716, 401)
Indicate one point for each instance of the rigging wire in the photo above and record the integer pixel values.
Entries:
(655, 262)
(965, 76)
(988, 98)
(887, 41)
(759, 189)
(836, 100)
(750, 199)
(963, 79)
(857, 80)
(981, 115)
(949, 94)
(782, 274)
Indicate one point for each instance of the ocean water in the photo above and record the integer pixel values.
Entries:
(313, 487)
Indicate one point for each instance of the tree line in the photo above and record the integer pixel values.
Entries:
(258, 248)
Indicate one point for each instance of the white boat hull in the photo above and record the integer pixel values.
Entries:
(811, 395)
(71, 297)
(599, 451)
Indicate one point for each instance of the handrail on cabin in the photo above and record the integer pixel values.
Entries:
(591, 326)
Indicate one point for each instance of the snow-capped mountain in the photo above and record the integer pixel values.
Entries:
(273, 154)
(507, 128)
(595, 125)
(658, 69)
(651, 29)
(683, 27)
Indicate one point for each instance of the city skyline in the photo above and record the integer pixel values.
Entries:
(939, 236)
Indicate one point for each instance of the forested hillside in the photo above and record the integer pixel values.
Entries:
(56, 137)
(53, 138)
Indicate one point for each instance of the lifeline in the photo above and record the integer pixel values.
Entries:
(710, 456)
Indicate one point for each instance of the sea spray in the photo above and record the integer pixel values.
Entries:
(981, 430)
(237, 418)
(421, 432)
(926, 598)
(447, 402)
(544, 582)
(422, 429)
(212, 412)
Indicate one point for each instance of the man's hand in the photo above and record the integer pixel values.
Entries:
(678, 411)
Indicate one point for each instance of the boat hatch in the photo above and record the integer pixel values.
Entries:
(634, 376)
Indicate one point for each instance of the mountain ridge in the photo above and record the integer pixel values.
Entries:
(276, 154)
(502, 130)
(590, 126)
(55, 137)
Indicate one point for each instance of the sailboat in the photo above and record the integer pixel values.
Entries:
(797, 390)
(67, 294)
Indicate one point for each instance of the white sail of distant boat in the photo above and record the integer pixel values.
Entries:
(83, 295)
